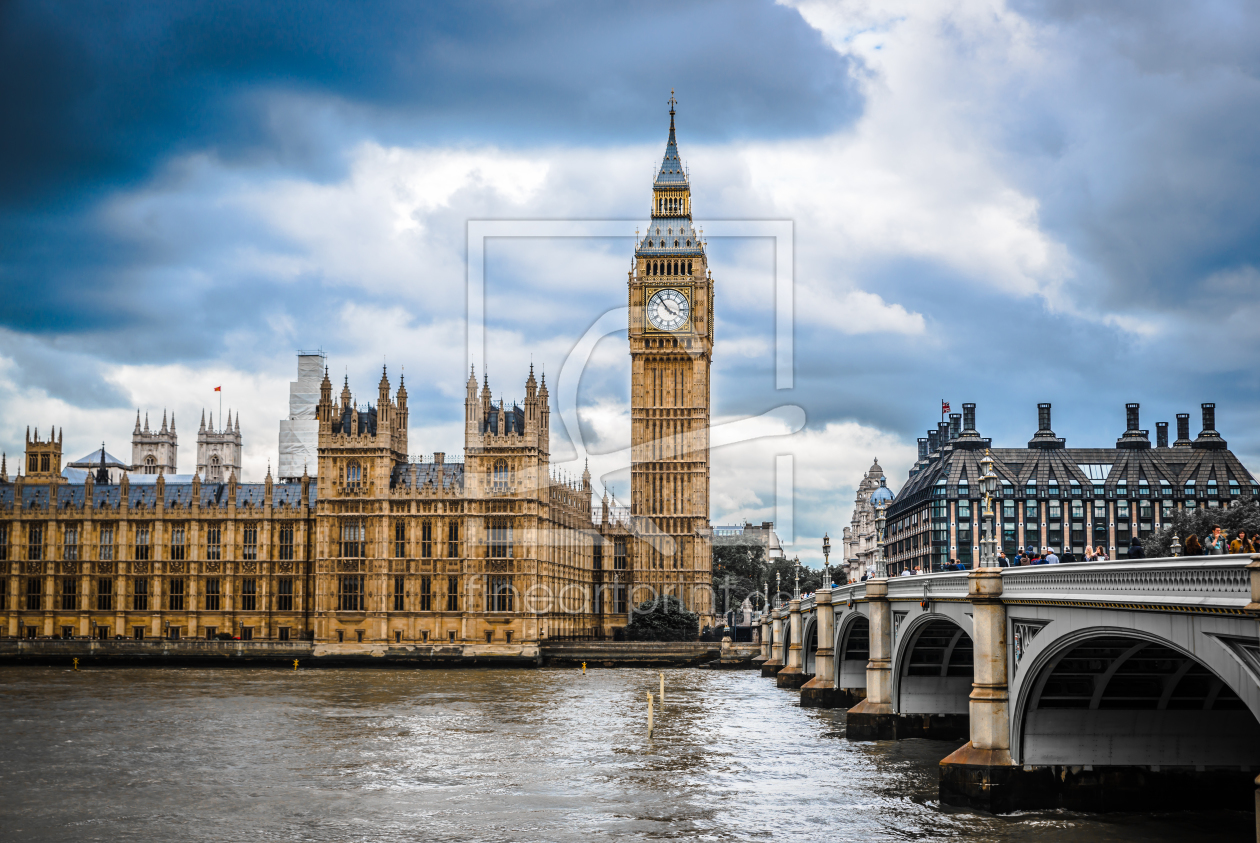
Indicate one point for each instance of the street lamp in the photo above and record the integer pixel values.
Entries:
(881, 520)
(826, 558)
(1176, 545)
(988, 486)
(796, 591)
(778, 585)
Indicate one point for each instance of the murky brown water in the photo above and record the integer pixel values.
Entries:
(478, 755)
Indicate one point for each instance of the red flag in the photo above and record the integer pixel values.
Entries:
(944, 406)
(218, 389)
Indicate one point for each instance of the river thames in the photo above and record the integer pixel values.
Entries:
(478, 755)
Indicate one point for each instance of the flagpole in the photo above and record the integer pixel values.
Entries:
(220, 405)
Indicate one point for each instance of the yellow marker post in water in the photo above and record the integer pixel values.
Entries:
(649, 696)
(662, 692)
(295, 661)
(583, 668)
(76, 664)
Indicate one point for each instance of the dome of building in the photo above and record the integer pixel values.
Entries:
(883, 495)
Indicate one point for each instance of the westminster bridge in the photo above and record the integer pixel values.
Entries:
(1090, 686)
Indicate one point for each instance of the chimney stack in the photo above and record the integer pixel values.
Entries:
(1133, 438)
(1044, 437)
(1183, 431)
(969, 418)
(955, 425)
(923, 448)
(933, 441)
(1161, 434)
(1208, 437)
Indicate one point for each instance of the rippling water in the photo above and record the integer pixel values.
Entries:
(484, 755)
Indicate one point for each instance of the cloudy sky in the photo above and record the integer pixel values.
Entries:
(995, 202)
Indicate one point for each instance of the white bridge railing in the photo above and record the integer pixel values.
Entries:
(1220, 582)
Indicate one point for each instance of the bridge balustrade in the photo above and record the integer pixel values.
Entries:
(1108, 685)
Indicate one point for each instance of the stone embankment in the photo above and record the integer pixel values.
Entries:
(193, 652)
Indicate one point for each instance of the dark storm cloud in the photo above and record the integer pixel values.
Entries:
(95, 94)
(99, 97)
(1143, 152)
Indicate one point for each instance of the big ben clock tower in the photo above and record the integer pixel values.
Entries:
(671, 346)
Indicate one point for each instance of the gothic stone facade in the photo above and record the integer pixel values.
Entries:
(860, 545)
(491, 554)
(671, 351)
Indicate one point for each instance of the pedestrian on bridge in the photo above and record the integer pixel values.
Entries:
(1216, 543)
(1136, 551)
(1194, 547)
(1240, 544)
(1051, 558)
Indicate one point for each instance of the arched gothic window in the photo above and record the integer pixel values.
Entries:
(675, 244)
(150, 464)
(500, 476)
(354, 475)
(216, 470)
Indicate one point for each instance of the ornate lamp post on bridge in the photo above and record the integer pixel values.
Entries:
(881, 521)
(778, 586)
(796, 590)
(826, 560)
(988, 486)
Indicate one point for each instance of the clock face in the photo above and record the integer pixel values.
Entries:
(668, 310)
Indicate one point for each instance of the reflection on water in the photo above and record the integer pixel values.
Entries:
(481, 755)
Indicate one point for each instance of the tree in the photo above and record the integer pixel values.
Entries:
(663, 619)
(1187, 522)
(738, 571)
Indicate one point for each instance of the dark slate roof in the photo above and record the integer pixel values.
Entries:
(106, 496)
(250, 494)
(513, 420)
(662, 234)
(289, 494)
(1066, 468)
(138, 496)
(175, 494)
(416, 475)
(367, 422)
(672, 173)
(34, 497)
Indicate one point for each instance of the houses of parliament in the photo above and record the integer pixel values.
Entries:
(369, 548)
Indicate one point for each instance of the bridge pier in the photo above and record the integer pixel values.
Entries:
(873, 718)
(793, 674)
(764, 656)
(820, 692)
(981, 773)
(777, 651)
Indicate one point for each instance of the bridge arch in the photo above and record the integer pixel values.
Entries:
(809, 645)
(934, 667)
(853, 651)
(1112, 696)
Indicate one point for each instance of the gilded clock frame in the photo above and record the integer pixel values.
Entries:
(687, 292)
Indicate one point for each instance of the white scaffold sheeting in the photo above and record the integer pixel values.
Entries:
(302, 404)
(299, 447)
